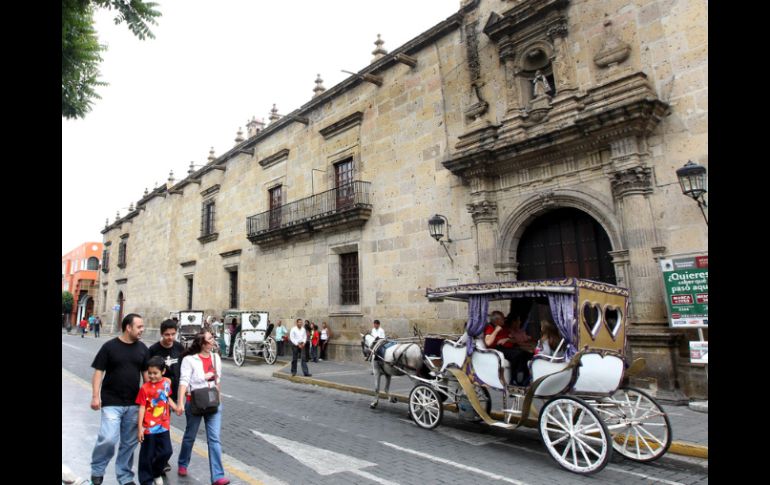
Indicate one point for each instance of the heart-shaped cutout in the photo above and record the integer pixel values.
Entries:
(613, 320)
(592, 318)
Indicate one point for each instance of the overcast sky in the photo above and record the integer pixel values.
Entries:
(212, 66)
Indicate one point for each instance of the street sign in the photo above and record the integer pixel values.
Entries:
(687, 291)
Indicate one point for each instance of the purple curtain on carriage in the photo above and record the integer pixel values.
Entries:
(478, 305)
(563, 311)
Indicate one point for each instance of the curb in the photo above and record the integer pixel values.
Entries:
(683, 448)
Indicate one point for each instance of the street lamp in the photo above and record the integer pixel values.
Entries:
(436, 229)
(692, 179)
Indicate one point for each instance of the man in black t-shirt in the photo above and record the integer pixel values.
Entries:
(124, 361)
(171, 351)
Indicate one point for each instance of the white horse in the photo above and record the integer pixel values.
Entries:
(388, 363)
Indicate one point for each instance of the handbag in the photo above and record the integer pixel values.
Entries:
(205, 401)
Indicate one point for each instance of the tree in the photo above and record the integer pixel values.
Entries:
(66, 303)
(80, 48)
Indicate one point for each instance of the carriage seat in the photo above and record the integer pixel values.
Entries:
(488, 364)
(481, 345)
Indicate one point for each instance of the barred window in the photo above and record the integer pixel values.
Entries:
(122, 254)
(105, 261)
(349, 278)
(189, 293)
(207, 218)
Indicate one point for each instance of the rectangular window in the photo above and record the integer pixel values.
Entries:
(105, 261)
(349, 278)
(72, 266)
(122, 254)
(276, 201)
(234, 289)
(343, 178)
(104, 301)
(207, 218)
(189, 293)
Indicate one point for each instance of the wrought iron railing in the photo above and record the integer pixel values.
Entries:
(334, 201)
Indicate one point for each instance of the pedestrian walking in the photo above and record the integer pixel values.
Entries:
(83, 327)
(97, 326)
(91, 320)
(123, 360)
(201, 368)
(280, 337)
(168, 349)
(155, 398)
(315, 340)
(326, 334)
(298, 338)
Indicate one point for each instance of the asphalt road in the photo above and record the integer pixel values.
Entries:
(296, 433)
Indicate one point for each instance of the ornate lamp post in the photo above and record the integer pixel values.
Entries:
(692, 179)
(436, 229)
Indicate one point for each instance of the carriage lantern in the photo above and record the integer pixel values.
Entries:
(692, 179)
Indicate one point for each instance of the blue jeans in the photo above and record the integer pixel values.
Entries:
(119, 425)
(213, 426)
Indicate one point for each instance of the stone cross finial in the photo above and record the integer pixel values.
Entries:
(239, 136)
(379, 52)
(212, 157)
(319, 87)
(274, 116)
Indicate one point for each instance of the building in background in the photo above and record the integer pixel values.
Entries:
(80, 276)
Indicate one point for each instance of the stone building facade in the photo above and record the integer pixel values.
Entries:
(547, 132)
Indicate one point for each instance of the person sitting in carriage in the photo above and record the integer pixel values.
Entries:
(511, 340)
(550, 341)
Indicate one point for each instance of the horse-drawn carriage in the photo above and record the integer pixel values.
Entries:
(576, 400)
(254, 337)
(190, 325)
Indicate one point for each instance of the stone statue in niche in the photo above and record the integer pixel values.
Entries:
(540, 84)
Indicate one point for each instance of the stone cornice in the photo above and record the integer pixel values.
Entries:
(187, 263)
(210, 191)
(341, 125)
(124, 236)
(121, 281)
(515, 22)
(275, 158)
(622, 107)
(234, 252)
(483, 211)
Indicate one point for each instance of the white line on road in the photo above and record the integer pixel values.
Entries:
(73, 347)
(373, 478)
(608, 467)
(444, 461)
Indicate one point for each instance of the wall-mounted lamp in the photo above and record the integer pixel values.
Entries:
(692, 179)
(436, 228)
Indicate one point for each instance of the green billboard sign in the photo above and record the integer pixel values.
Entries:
(686, 281)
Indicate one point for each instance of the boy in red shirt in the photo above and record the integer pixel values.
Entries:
(154, 422)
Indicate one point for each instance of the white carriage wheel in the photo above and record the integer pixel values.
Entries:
(640, 427)
(270, 351)
(239, 350)
(574, 435)
(425, 407)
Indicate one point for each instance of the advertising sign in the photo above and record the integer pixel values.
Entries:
(699, 352)
(687, 291)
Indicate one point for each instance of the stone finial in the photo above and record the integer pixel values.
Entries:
(239, 136)
(613, 51)
(319, 87)
(254, 126)
(191, 169)
(146, 192)
(212, 157)
(117, 215)
(131, 207)
(274, 116)
(379, 52)
(107, 222)
(171, 178)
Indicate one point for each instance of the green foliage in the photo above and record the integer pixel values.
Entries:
(81, 49)
(66, 301)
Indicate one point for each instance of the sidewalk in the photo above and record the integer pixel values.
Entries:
(80, 426)
(689, 428)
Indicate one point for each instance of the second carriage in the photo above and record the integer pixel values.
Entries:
(253, 338)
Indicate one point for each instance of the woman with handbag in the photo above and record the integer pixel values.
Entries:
(199, 387)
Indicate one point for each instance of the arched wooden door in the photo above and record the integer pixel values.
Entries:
(565, 242)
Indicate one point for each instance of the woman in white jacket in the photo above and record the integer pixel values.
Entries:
(201, 368)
